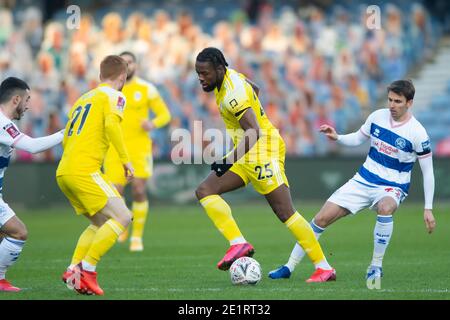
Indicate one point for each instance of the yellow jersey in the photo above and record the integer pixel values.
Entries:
(234, 97)
(85, 141)
(142, 97)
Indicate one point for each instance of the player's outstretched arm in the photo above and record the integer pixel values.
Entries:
(426, 165)
(350, 140)
(35, 145)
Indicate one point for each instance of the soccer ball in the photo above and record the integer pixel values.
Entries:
(245, 270)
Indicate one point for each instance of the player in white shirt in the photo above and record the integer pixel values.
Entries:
(14, 98)
(397, 140)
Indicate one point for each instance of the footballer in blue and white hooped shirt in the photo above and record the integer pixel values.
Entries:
(394, 148)
(14, 98)
(397, 140)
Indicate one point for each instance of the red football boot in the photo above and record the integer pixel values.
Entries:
(321, 275)
(7, 287)
(235, 252)
(67, 274)
(88, 283)
(72, 278)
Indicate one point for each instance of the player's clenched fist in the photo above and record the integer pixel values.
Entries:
(129, 170)
(430, 223)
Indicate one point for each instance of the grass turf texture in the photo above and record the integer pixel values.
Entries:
(182, 248)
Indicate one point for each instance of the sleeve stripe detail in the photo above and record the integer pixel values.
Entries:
(237, 114)
(424, 156)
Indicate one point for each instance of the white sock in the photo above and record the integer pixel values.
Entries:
(323, 265)
(381, 236)
(298, 253)
(238, 240)
(10, 250)
(87, 266)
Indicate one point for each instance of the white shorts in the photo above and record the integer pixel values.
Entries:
(6, 212)
(356, 196)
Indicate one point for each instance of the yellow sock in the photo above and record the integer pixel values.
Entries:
(83, 244)
(124, 235)
(220, 213)
(104, 239)
(305, 237)
(140, 210)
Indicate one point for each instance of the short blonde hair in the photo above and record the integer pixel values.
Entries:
(112, 66)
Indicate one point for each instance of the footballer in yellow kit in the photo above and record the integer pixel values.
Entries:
(94, 124)
(85, 145)
(257, 157)
(142, 97)
(263, 164)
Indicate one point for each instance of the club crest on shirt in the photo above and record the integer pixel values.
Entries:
(400, 143)
(11, 129)
(376, 132)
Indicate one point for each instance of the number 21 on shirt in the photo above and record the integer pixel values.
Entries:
(76, 115)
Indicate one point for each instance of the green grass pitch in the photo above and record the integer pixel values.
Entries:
(182, 248)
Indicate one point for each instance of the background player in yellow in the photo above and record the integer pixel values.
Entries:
(257, 157)
(141, 97)
(94, 123)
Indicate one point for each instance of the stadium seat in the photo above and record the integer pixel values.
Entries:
(426, 117)
(437, 133)
(440, 103)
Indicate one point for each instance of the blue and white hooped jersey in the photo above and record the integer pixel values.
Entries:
(394, 148)
(9, 135)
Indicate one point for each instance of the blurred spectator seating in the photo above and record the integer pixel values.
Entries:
(313, 66)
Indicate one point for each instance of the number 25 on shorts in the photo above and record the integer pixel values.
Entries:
(264, 172)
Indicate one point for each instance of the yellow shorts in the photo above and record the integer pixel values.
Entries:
(263, 166)
(87, 193)
(264, 176)
(142, 162)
